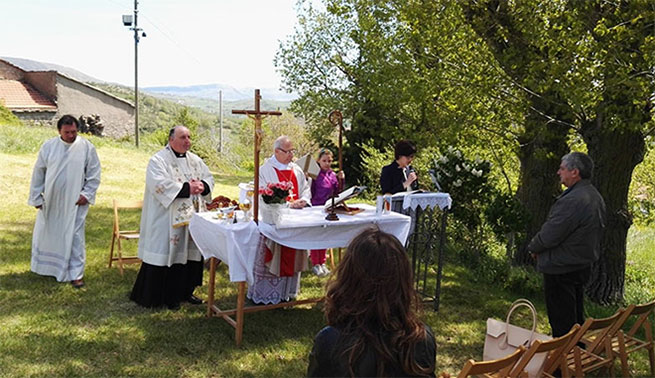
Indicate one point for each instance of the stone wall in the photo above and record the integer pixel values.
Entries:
(9, 72)
(78, 99)
(43, 117)
(44, 82)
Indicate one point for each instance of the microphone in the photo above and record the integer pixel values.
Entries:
(414, 185)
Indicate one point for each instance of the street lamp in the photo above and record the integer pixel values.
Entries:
(128, 20)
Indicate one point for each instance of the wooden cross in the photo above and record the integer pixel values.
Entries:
(257, 115)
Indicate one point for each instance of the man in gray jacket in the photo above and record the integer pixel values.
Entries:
(569, 242)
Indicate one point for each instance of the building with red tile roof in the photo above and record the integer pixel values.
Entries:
(47, 95)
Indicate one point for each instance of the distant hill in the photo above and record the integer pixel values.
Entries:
(33, 65)
(230, 93)
(194, 95)
(211, 104)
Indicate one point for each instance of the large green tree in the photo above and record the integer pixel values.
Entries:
(528, 74)
(396, 69)
(585, 67)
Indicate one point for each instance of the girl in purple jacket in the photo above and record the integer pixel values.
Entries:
(324, 186)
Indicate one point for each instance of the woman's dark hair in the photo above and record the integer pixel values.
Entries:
(68, 120)
(404, 148)
(372, 301)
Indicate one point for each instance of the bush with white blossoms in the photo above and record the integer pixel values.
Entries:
(467, 181)
(476, 202)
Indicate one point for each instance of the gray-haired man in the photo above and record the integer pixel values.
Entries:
(569, 242)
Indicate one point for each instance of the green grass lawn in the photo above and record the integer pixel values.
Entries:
(50, 329)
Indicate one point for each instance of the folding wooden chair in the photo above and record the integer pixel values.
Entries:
(554, 348)
(494, 368)
(118, 234)
(598, 353)
(330, 252)
(627, 342)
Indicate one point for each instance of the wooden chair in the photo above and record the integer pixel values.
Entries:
(494, 368)
(625, 343)
(333, 262)
(118, 234)
(596, 355)
(554, 348)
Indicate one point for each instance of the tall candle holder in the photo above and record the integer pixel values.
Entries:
(332, 216)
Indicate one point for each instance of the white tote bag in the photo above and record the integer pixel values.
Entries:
(503, 338)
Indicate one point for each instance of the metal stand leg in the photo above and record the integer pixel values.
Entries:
(442, 241)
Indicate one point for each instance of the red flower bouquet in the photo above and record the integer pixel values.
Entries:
(276, 192)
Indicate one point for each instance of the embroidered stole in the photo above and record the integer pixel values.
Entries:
(287, 255)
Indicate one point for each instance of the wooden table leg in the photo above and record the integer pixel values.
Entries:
(212, 286)
(241, 299)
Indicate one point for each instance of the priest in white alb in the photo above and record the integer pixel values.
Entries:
(277, 267)
(177, 184)
(65, 179)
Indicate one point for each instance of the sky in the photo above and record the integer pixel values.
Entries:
(188, 42)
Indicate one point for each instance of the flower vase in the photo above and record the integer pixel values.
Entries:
(271, 213)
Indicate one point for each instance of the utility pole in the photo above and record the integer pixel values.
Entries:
(220, 120)
(136, 74)
(128, 21)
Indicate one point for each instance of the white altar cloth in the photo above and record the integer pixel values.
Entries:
(236, 244)
(308, 229)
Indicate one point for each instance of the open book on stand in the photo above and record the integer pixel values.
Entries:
(309, 165)
(339, 201)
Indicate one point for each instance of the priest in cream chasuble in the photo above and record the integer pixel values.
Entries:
(65, 179)
(277, 268)
(177, 182)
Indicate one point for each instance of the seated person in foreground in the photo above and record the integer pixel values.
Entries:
(371, 310)
(277, 268)
(399, 176)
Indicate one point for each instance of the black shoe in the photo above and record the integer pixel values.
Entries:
(173, 306)
(194, 300)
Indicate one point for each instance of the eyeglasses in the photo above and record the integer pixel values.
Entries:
(291, 151)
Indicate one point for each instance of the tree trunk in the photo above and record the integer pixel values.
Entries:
(615, 155)
(541, 148)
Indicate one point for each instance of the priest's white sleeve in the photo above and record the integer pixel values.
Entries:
(159, 182)
(208, 179)
(91, 175)
(38, 180)
(305, 190)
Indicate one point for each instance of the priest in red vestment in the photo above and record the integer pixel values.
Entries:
(277, 268)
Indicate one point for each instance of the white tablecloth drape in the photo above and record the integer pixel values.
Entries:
(308, 229)
(426, 200)
(236, 244)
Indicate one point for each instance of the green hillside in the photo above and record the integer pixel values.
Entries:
(156, 113)
(7, 117)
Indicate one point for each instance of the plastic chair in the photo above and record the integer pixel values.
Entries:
(494, 368)
(118, 235)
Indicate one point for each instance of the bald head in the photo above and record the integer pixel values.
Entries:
(179, 138)
(283, 149)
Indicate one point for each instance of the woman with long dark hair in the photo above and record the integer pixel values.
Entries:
(371, 310)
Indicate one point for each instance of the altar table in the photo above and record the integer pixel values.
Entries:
(236, 245)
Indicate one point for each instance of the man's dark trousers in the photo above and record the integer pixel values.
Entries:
(564, 299)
